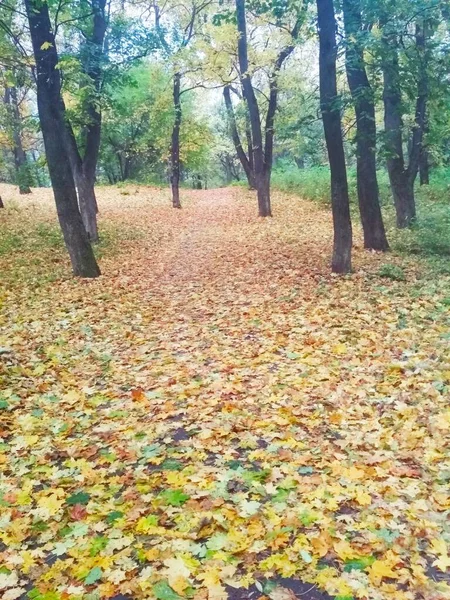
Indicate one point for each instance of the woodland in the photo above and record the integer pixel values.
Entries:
(225, 299)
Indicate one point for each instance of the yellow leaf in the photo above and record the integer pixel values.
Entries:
(344, 550)
(380, 569)
(362, 497)
(442, 563)
(339, 349)
(51, 503)
(46, 45)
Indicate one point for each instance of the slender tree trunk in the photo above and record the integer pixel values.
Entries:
(400, 179)
(85, 188)
(264, 207)
(1, 203)
(363, 100)
(175, 146)
(341, 262)
(251, 162)
(424, 167)
(87, 203)
(84, 167)
(53, 125)
(20, 158)
(244, 160)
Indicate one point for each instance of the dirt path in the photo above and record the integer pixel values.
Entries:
(217, 409)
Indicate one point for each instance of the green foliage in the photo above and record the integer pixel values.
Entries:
(137, 128)
(391, 271)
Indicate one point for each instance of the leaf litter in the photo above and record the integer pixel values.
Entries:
(217, 416)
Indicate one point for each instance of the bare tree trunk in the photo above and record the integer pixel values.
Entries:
(244, 160)
(53, 125)
(341, 262)
(402, 178)
(84, 167)
(175, 146)
(424, 167)
(363, 100)
(1, 203)
(264, 207)
(87, 203)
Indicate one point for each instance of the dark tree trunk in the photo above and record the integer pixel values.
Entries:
(402, 191)
(264, 207)
(248, 135)
(88, 204)
(341, 262)
(53, 125)
(20, 158)
(244, 160)
(403, 178)
(420, 120)
(363, 100)
(175, 146)
(84, 167)
(84, 185)
(1, 203)
(424, 167)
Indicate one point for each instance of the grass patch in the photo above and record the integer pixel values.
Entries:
(393, 272)
(35, 250)
(428, 238)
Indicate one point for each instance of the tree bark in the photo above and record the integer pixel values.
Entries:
(363, 100)
(264, 207)
(341, 261)
(175, 146)
(53, 125)
(424, 167)
(244, 160)
(20, 157)
(403, 178)
(84, 167)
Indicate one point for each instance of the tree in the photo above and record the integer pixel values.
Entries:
(12, 103)
(53, 125)
(84, 159)
(330, 108)
(245, 159)
(262, 150)
(366, 134)
(185, 17)
(403, 175)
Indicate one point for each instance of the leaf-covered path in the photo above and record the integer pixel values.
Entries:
(217, 410)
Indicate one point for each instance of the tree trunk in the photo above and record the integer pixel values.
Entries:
(87, 203)
(20, 158)
(244, 160)
(85, 188)
(399, 176)
(341, 262)
(175, 146)
(1, 203)
(264, 208)
(424, 167)
(366, 134)
(53, 125)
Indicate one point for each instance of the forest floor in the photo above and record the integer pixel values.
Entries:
(218, 416)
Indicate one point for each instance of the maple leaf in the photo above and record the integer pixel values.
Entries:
(380, 569)
(175, 497)
(79, 498)
(94, 575)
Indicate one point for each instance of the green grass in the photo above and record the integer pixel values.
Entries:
(28, 247)
(430, 235)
